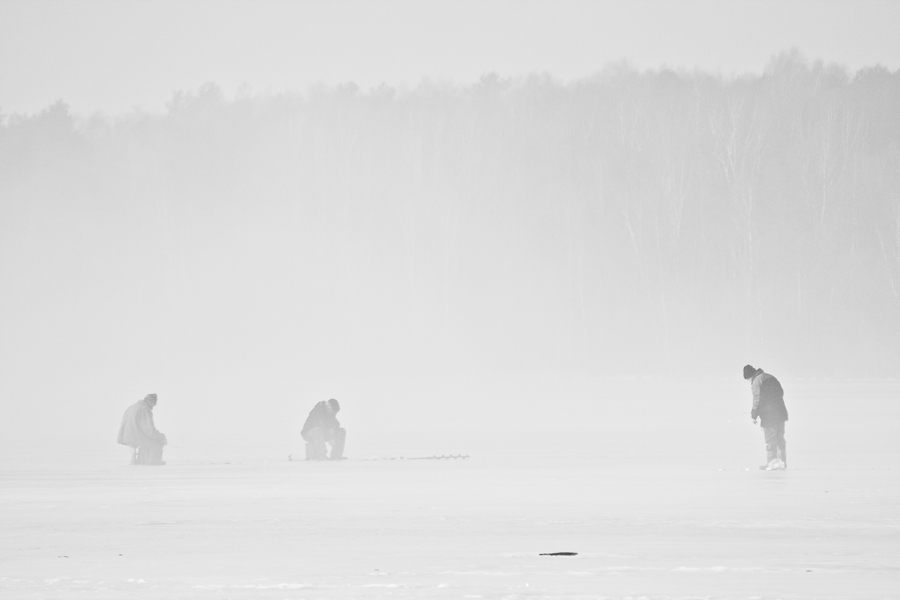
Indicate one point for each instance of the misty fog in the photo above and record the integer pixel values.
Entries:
(445, 249)
(545, 256)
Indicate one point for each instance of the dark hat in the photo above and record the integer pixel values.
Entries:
(334, 404)
(749, 371)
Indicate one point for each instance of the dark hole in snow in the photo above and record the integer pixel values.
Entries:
(559, 554)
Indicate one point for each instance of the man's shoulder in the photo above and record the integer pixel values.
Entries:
(139, 406)
(768, 377)
(771, 385)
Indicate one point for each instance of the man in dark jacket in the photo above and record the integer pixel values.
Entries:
(322, 426)
(768, 406)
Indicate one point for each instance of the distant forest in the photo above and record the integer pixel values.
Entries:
(632, 222)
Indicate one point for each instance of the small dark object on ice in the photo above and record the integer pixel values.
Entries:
(558, 554)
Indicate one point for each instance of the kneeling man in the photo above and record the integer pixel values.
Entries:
(139, 432)
(322, 426)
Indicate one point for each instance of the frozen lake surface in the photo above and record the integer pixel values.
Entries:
(666, 523)
(448, 529)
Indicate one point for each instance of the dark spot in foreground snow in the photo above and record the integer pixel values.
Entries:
(559, 554)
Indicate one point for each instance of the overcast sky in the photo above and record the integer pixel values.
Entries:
(115, 56)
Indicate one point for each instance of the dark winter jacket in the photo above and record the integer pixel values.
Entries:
(320, 416)
(768, 399)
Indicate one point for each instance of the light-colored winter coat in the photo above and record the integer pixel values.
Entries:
(137, 427)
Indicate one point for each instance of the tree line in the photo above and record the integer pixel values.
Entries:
(631, 222)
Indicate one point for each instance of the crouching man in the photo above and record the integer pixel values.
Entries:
(322, 426)
(139, 432)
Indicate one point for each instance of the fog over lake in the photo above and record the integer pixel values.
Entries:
(529, 247)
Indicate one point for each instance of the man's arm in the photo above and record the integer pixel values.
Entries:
(312, 420)
(331, 422)
(754, 412)
(148, 428)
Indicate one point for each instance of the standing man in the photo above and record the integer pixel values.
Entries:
(322, 426)
(768, 406)
(139, 432)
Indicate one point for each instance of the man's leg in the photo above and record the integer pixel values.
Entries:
(156, 455)
(770, 432)
(150, 454)
(782, 444)
(315, 444)
(338, 437)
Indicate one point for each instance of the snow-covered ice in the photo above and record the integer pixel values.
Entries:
(669, 522)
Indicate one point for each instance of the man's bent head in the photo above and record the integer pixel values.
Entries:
(151, 399)
(334, 405)
(749, 371)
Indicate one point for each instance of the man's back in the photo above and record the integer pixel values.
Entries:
(771, 399)
(320, 416)
(137, 428)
